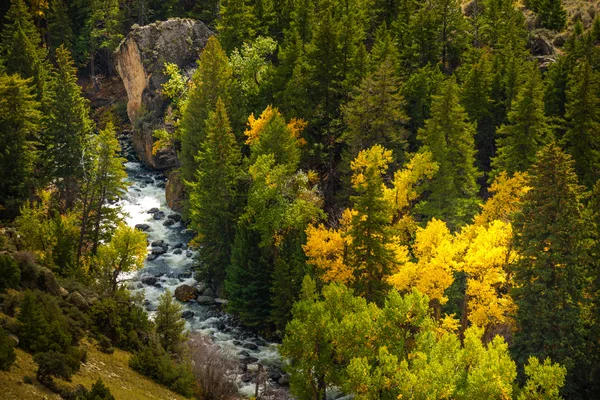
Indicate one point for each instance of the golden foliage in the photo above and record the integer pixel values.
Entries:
(325, 249)
(507, 198)
(437, 259)
(296, 126)
(257, 125)
(376, 157)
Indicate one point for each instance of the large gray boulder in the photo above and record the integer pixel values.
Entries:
(140, 60)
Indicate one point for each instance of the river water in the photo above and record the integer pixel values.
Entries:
(174, 268)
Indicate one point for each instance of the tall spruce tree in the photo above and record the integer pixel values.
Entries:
(552, 14)
(170, 327)
(68, 128)
(582, 139)
(59, 25)
(19, 131)
(526, 130)
(21, 49)
(549, 274)
(212, 80)
(215, 201)
(449, 136)
(237, 23)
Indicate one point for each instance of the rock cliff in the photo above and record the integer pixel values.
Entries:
(140, 60)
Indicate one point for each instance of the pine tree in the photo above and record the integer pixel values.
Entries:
(32, 332)
(476, 98)
(552, 14)
(237, 23)
(211, 81)
(68, 128)
(450, 138)
(248, 281)
(104, 28)
(103, 184)
(99, 392)
(370, 252)
(524, 134)
(59, 25)
(215, 198)
(169, 324)
(7, 352)
(582, 139)
(21, 50)
(374, 115)
(549, 274)
(19, 130)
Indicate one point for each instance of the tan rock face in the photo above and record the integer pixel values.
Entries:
(140, 63)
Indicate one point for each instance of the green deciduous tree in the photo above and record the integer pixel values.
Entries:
(549, 276)
(450, 138)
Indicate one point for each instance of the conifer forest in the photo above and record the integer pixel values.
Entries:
(300, 199)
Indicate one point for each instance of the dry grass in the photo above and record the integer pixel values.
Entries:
(123, 382)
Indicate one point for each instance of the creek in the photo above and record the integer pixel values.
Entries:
(145, 204)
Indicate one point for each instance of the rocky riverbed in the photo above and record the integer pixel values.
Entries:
(169, 265)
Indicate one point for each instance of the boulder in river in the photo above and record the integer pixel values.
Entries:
(208, 292)
(142, 227)
(187, 314)
(158, 215)
(157, 243)
(186, 293)
(174, 217)
(205, 300)
(153, 210)
(250, 346)
(169, 222)
(177, 251)
(157, 251)
(149, 280)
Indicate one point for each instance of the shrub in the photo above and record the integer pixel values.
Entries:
(10, 274)
(154, 362)
(105, 345)
(53, 364)
(7, 351)
(28, 380)
(99, 392)
(211, 368)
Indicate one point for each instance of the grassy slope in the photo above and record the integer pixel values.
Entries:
(123, 382)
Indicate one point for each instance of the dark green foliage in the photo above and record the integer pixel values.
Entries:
(552, 14)
(68, 128)
(59, 25)
(33, 324)
(450, 138)
(120, 319)
(215, 201)
(237, 23)
(212, 80)
(7, 352)
(19, 129)
(21, 50)
(582, 138)
(549, 275)
(249, 277)
(169, 324)
(99, 392)
(521, 138)
(153, 362)
(53, 364)
(10, 273)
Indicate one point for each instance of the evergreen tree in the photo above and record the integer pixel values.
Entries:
(215, 197)
(32, 332)
(476, 98)
(21, 50)
(99, 392)
(370, 252)
(374, 115)
(552, 14)
(582, 139)
(211, 81)
(19, 131)
(549, 274)
(521, 138)
(68, 128)
(7, 352)
(555, 93)
(103, 184)
(450, 138)
(249, 277)
(104, 28)
(169, 324)
(59, 25)
(237, 23)
(10, 273)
